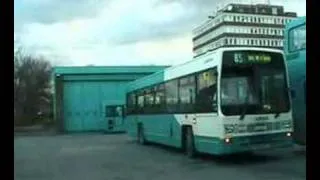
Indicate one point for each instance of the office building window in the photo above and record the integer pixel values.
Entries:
(274, 11)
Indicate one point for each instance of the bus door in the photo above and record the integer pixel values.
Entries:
(114, 117)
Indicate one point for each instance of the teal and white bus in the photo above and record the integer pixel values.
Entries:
(229, 100)
(295, 50)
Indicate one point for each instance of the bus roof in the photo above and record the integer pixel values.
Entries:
(298, 21)
(197, 64)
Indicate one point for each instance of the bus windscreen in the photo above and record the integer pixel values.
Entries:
(253, 82)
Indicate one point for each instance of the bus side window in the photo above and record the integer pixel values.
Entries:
(160, 100)
(187, 93)
(206, 90)
(171, 89)
(149, 100)
(140, 104)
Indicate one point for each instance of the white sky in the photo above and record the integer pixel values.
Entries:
(116, 32)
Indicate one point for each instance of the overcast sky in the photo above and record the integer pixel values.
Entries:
(116, 32)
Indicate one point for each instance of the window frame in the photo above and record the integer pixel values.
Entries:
(213, 110)
(164, 108)
(290, 49)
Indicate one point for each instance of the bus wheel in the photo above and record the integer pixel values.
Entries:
(141, 139)
(190, 149)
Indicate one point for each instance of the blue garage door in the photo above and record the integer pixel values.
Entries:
(84, 103)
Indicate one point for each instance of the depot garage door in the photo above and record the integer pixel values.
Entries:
(83, 104)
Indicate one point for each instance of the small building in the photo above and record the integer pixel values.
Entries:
(92, 98)
(256, 25)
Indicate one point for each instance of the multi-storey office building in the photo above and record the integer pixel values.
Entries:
(242, 25)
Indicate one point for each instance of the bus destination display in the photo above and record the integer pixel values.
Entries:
(251, 58)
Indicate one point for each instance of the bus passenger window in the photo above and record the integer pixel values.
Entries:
(149, 100)
(187, 93)
(160, 100)
(171, 89)
(140, 103)
(207, 87)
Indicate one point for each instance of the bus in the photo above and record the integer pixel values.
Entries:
(230, 100)
(295, 50)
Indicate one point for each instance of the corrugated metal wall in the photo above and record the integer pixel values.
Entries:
(84, 103)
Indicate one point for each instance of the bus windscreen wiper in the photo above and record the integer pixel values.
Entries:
(243, 114)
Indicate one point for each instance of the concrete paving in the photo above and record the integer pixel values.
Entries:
(117, 157)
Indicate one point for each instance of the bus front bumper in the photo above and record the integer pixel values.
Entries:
(256, 143)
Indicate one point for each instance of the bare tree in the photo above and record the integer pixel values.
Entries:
(31, 86)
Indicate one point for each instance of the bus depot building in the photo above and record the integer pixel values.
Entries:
(92, 98)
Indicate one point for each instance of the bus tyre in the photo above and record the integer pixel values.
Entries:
(141, 139)
(190, 149)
